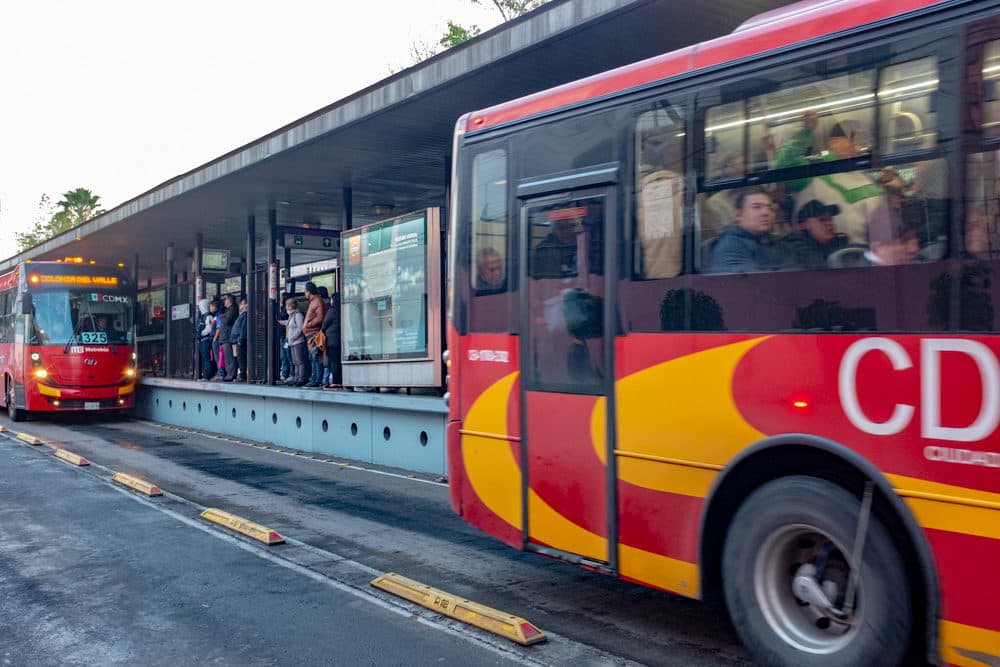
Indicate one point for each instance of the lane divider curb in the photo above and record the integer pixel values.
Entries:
(486, 618)
(140, 485)
(242, 526)
(30, 439)
(75, 459)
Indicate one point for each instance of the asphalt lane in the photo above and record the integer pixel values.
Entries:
(90, 575)
(382, 521)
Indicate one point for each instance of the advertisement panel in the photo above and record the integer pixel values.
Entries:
(384, 296)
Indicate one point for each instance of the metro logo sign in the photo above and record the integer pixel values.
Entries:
(932, 350)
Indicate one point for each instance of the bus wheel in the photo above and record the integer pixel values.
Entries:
(13, 412)
(786, 572)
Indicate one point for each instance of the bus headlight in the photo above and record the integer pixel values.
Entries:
(41, 373)
(35, 356)
(130, 372)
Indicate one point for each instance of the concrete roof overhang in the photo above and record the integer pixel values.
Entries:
(390, 143)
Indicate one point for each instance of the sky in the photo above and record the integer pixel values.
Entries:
(120, 96)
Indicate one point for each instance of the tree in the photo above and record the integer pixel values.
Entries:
(75, 208)
(510, 9)
(457, 34)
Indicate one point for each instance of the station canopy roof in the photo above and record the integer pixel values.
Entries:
(391, 142)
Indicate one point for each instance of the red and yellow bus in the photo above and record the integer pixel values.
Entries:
(67, 340)
(724, 321)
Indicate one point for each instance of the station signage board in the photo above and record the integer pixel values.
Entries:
(300, 238)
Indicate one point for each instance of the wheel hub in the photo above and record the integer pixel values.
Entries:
(800, 582)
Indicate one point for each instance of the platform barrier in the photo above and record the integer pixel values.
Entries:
(395, 430)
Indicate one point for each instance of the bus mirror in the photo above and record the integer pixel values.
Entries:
(26, 305)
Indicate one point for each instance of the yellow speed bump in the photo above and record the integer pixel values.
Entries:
(243, 526)
(75, 459)
(30, 439)
(140, 485)
(483, 617)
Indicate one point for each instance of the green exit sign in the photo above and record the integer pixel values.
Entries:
(327, 242)
(297, 240)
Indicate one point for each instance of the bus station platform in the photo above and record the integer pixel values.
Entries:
(390, 429)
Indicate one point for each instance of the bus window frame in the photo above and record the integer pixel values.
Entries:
(465, 295)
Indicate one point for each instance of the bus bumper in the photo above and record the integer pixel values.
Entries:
(44, 398)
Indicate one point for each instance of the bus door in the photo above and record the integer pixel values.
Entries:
(566, 374)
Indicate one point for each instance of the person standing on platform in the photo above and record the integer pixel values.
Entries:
(239, 338)
(313, 324)
(226, 323)
(206, 326)
(331, 329)
(296, 342)
(285, 352)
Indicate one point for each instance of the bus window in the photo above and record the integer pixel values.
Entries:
(724, 142)
(659, 192)
(907, 106)
(489, 221)
(819, 121)
(982, 219)
(991, 89)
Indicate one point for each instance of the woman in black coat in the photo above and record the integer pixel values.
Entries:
(331, 329)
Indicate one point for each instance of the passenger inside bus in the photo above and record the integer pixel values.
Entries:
(748, 244)
(720, 207)
(555, 254)
(892, 241)
(489, 271)
(660, 201)
(858, 196)
(816, 238)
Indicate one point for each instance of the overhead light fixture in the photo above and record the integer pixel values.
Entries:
(382, 209)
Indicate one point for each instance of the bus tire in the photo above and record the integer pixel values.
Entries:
(16, 414)
(782, 527)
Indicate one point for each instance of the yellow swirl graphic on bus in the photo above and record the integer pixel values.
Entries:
(691, 398)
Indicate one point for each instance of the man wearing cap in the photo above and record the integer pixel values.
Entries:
(748, 245)
(817, 238)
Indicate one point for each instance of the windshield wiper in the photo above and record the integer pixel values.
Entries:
(76, 331)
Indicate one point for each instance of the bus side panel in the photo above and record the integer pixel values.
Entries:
(489, 454)
(924, 410)
(969, 593)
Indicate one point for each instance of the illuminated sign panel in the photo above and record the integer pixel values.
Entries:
(214, 260)
(90, 281)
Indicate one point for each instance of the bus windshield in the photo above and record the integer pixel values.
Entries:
(84, 318)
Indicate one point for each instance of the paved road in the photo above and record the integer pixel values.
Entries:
(91, 576)
(347, 523)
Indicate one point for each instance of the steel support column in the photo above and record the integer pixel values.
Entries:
(272, 267)
(250, 295)
(348, 207)
(199, 293)
(168, 356)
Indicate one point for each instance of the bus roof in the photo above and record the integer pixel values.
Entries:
(793, 24)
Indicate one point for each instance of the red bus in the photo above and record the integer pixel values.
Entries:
(66, 337)
(724, 322)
